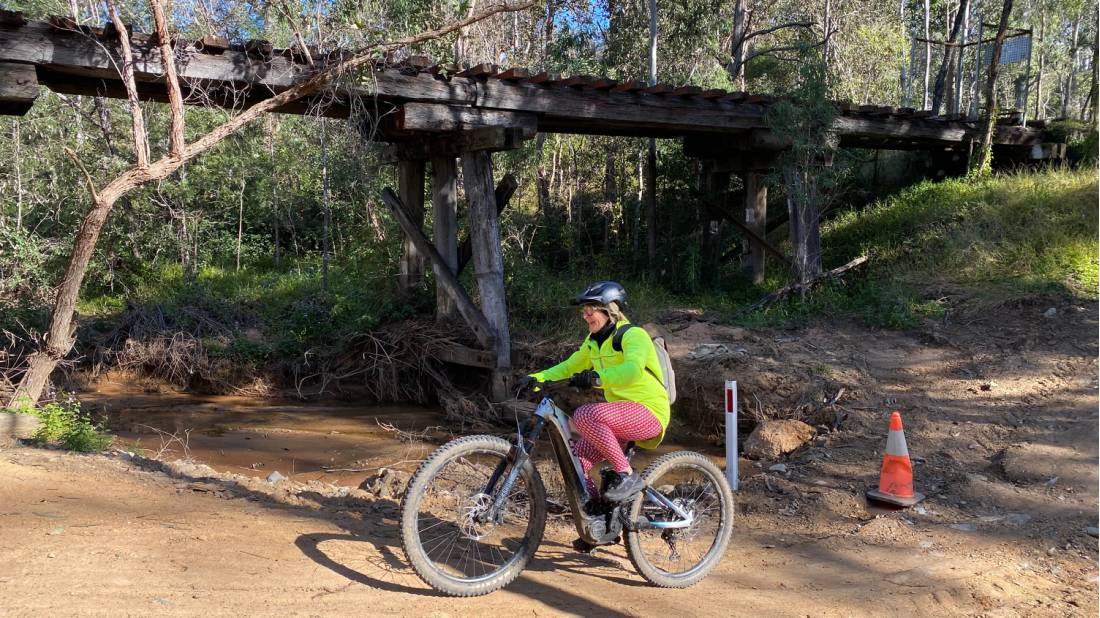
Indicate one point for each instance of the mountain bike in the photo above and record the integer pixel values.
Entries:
(475, 510)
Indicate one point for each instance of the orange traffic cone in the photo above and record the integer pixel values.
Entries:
(895, 485)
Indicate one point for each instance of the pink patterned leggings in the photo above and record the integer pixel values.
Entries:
(606, 427)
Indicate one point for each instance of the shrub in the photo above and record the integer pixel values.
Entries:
(63, 423)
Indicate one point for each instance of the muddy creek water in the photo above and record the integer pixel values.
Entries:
(334, 442)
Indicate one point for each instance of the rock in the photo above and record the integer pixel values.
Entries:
(780, 468)
(964, 527)
(1017, 519)
(1050, 313)
(386, 484)
(771, 439)
(275, 477)
(1092, 531)
(17, 426)
(709, 352)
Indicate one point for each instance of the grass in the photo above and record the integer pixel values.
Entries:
(1028, 232)
(986, 239)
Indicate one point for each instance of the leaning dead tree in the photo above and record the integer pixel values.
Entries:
(60, 336)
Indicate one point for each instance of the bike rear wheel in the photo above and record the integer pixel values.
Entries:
(450, 549)
(681, 557)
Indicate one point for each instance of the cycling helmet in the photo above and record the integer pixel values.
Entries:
(602, 293)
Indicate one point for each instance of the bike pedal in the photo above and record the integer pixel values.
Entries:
(583, 546)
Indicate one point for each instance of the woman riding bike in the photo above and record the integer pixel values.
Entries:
(629, 373)
(475, 511)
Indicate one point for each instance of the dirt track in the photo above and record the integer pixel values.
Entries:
(993, 410)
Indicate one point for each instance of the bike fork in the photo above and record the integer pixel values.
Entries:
(518, 457)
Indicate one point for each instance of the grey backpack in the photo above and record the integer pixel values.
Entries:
(662, 357)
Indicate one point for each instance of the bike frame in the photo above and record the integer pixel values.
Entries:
(548, 414)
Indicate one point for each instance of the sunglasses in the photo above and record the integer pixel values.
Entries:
(588, 310)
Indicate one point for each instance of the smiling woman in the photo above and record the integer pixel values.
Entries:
(622, 362)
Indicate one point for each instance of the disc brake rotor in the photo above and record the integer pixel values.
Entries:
(475, 506)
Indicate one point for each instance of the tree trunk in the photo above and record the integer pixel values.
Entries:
(756, 218)
(272, 127)
(240, 224)
(326, 209)
(736, 66)
(651, 159)
(956, 103)
(17, 162)
(60, 336)
(104, 116)
(1091, 103)
(1040, 109)
(902, 72)
(802, 204)
(1068, 94)
(983, 159)
(927, 52)
(949, 49)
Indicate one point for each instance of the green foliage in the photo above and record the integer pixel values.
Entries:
(63, 423)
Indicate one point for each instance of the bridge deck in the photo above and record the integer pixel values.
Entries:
(415, 96)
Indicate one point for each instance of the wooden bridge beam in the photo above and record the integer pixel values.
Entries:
(410, 183)
(473, 316)
(477, 176)
(445, 229)
(18, 88)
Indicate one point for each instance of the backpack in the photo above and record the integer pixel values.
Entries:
(662, 357)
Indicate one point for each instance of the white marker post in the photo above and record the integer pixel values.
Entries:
(731, 433)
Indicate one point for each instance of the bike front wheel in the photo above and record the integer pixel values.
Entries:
(681, 557)
(445, 533)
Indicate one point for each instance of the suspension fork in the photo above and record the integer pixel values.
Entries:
(517, 457)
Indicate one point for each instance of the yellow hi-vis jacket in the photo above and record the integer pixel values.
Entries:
(631, 375)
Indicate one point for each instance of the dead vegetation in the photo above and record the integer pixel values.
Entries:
(197, 350)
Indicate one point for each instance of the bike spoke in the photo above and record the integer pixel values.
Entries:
(679, 550)
(450, 532)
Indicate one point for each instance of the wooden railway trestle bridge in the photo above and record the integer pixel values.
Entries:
(449, 116)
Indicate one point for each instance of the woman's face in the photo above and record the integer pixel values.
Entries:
(595, 318)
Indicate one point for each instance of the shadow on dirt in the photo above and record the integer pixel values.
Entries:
(373, 521)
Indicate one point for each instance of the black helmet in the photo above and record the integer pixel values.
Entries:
(602, 293)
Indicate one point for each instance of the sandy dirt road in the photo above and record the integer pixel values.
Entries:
(99, 535)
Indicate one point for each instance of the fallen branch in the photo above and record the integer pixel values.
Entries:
(802, 288)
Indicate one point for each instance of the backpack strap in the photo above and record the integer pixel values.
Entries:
(617, 345)
(617, 338)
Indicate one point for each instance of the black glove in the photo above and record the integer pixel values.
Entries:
(585, 379)
(525, 384)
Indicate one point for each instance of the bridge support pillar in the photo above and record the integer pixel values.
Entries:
(445, 228)
(410, 183)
